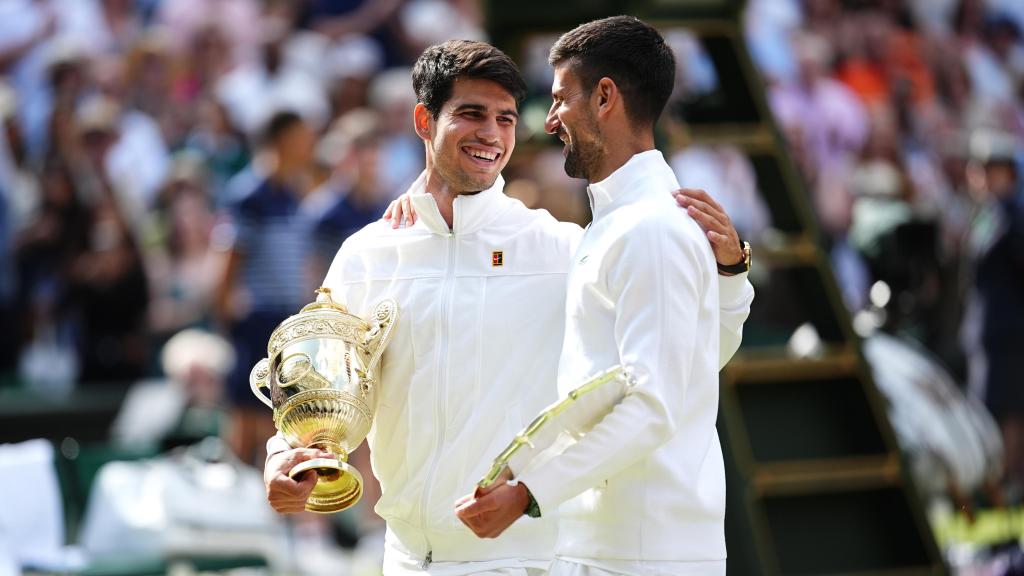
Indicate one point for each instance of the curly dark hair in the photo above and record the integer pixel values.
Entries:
(441, 65)
(633, 54)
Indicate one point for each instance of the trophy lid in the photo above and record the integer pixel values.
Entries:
(323, 301)
(323, 318)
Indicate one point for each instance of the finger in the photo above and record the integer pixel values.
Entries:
(706, 221)
(299, 455)
(308, 481)
(470, 510)
(463, 500)
(719, 239)
(490, 488)
(463, 505)
(480, 506)
(407, 207)
(287, 488)
(396, 216)
(706, 208)
(391, 208)
(726, 249)
(702, 196)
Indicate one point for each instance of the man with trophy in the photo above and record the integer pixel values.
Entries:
(643, 490)
(479, 282)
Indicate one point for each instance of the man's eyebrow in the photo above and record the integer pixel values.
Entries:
(481, 108)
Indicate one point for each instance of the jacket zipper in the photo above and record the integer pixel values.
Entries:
(442, 378)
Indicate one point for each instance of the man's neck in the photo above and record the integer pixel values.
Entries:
(444, 195)
(618, 152)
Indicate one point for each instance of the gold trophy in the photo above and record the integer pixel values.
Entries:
(321, 371)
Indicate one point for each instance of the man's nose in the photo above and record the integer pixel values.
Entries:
(551, 123)
(488, 131)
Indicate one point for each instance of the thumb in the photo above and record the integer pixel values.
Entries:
(306, 481)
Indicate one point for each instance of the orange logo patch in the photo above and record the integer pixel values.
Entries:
(497, 258)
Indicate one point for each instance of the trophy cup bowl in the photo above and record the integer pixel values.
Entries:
(321, 370)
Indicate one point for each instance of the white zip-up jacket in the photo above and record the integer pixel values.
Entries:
(647, 483)
(473, 359)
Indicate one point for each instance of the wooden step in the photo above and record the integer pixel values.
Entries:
(826, 475)
(768, 366)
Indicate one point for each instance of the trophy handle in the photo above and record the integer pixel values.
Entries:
(385, 316)
(260, 378)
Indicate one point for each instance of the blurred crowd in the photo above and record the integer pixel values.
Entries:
(906, 122)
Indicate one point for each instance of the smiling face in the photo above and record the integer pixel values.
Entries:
(572, 120)
(471, 139)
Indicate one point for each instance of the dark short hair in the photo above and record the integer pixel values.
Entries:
(279, 123)
(441, 65)
(633, 54)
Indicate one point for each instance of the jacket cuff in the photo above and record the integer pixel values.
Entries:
(277, 444)
(544, 488)
(732, 290)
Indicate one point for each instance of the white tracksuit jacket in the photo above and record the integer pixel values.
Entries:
(473, 359)
(644, 490)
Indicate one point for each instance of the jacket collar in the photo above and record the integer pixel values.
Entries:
(625, 180)
(471, 211)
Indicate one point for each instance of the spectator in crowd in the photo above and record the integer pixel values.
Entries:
(358, 197)
(283, 78)
(995, 311)
(17, 177)
(44, 251)
(266, 277)
(185, 271)
(220, 143)
(8, 283)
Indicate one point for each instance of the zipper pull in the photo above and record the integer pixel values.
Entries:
(428, 559)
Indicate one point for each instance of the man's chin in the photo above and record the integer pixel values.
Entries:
(479, 184)
(574, 170)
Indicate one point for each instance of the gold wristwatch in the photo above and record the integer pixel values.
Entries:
(741, 266)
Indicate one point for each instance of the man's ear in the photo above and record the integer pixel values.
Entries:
(422, 119)
(607, 96)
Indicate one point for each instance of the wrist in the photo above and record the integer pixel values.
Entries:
(530, 507)
(743, 265)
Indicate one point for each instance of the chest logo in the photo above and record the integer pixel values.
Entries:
(584, 259)
(497, 258)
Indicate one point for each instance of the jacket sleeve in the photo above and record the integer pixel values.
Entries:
(735, 294)
(654, 277)
(277, 444)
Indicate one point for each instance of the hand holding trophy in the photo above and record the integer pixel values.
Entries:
(321, 370)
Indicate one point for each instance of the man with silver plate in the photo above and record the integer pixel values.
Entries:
(480, 281)
(641, 489)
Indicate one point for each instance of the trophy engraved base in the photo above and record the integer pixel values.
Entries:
(338, 485)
